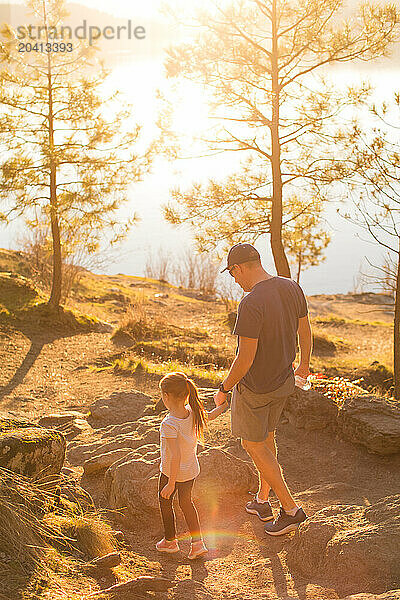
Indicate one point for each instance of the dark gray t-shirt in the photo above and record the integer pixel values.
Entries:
(271, 312)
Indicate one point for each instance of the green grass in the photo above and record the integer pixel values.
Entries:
(26, 307)
(46, 539)
(138, 365)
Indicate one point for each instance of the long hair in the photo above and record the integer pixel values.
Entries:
(177, 384)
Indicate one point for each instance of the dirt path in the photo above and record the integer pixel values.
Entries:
(42, 375)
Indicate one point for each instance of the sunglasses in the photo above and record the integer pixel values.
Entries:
(230, 270)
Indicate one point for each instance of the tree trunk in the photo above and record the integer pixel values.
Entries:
(396, 359)
(278, 252)
(299, 267)
(55, 296)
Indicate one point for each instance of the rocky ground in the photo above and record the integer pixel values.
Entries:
(113, 452)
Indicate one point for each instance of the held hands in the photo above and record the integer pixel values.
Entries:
(167, 490)
(220, 398)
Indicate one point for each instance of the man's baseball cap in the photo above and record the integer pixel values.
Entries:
(241, 253)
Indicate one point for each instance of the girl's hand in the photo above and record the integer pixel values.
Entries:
(167, 490)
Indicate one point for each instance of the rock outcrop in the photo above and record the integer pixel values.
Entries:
(70, 423)
(120, 407)
(310, 410)
(132, 481)
(91, 451)
(30, 449)
(354, 547)
(372, 422)
(367, 420)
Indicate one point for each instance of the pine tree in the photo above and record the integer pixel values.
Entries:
(258, 61)
(373, 168)
(69, 153)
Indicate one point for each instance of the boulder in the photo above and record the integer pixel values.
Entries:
(310, 410)
(70, 423)
(354, 547)
(132, 481)
(120, 407)
(111, 440)
(60, 419)
(222, 470)
(101, 462)
(30, 449)
(372, 422)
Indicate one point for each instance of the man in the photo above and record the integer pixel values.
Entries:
(269, 318)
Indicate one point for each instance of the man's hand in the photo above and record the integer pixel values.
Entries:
(167, 490)
(220, 398)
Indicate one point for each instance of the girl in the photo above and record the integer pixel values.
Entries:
(179, 433)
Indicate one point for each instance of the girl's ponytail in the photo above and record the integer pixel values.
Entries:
(199, 413)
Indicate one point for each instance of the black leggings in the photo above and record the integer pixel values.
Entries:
(184, 489)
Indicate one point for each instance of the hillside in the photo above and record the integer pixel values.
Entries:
(100, 378)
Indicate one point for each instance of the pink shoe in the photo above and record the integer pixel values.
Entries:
(169, 546)
(197, 549)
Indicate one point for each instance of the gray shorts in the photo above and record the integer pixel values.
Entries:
(253, 416)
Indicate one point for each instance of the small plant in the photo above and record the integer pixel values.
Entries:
(337, 389)
(137, 325)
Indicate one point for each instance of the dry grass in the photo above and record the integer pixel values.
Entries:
(136, 324)
(44, 539)
(325, 344)
(139, 323)
(335, 321)
(200, 353)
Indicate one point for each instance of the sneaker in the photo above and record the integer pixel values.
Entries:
(169, 546)
(285, 523)
(197, 549)
(263, 510)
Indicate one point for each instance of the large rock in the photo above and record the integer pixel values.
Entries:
(106, 440)
(132, 481)
(69, 423)
(225, 471)
(310, 410)
(372, 422)
(56, 420)
(120, 407)
(354, 547)
(29, 449)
